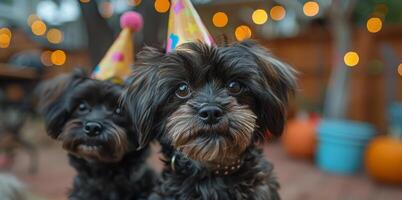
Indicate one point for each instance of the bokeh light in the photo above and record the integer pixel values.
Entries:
(55, 36)
(400, 69)
(220, 19)
(58, 57)
(85, 1)
(38, 27)
(242, 32)
(260, 16)
(134, 2)
(311, 8)
(106, 9)
(374, 24)
(351, 59)
(162, 6)
(277, 13)
(5, 37)
(32, 18)
(380, 9)
(45, 58)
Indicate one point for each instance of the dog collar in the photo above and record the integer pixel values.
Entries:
(226, 168)
(221, 169)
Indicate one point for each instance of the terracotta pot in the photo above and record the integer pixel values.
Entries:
(299, 138)
(384, 160)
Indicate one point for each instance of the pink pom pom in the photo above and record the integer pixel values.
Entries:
(131, 20)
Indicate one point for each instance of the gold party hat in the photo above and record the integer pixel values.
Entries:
(185, 25)
(116, 65)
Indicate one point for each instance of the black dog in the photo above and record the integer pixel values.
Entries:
(85, 115)
(209, 108)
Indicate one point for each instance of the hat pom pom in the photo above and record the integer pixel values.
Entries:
(131, 20)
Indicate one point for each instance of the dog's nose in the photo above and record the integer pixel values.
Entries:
(93, 128)
(210, 114)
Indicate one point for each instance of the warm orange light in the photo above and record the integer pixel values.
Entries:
(400, 69)
(4, 40)
(38, 27)
(220, 19)
(162, 6)
(311, 8)
(85, 1)
(5, 31)
(351, 59)
(277, 13)
(242, 32)
(32, 18)
(259, 16)
(374, 24)
(45, 58)
(5, 37)
(58, 57)
(54, 36)
(134, 2)
(106, 9)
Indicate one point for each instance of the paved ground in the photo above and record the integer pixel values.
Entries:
(299, 179)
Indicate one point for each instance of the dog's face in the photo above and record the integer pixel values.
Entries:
(211, 103)
(85, 115)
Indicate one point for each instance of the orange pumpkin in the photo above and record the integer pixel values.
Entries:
(384, 160)
(299, 138)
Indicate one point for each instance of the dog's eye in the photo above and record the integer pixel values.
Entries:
(118, 111)
(183, 91)
(82, 107)
(234, 87)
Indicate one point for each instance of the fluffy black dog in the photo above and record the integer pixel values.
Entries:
(85, 116)
(209, 107)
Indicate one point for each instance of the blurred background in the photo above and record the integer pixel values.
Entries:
(343, 139)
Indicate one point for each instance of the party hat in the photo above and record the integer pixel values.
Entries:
(116, 65)
(185, 25)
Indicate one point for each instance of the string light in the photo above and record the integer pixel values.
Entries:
(220, 19)
(58, 57)
(134, 2)
(32, 18)
(5, 37)
(106, 9)
(351, 59)
(374, 24)
(242, 32)
(162, 6)
(38, 27)
(311, 8)
(45, 58)
(55, 36)
(259, 16)
(400, 69)
(277, 13)
(85, 1)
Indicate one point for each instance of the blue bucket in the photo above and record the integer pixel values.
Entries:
(395, 117)
(341, 145)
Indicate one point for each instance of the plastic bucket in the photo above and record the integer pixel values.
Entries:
(395, 117)
(341, 145)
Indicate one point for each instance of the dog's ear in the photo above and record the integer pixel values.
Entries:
(278, 81)
(142, 97)
(51, 103)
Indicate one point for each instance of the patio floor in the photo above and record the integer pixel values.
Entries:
(300, 180)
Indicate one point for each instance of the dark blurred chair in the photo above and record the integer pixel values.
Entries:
(17, 82)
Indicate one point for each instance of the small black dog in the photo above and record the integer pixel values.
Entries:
(85, 115)
(209, 107)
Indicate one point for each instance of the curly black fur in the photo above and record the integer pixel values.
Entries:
(191, 180)
(166, 98)
(85, 115)
(123, 180)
